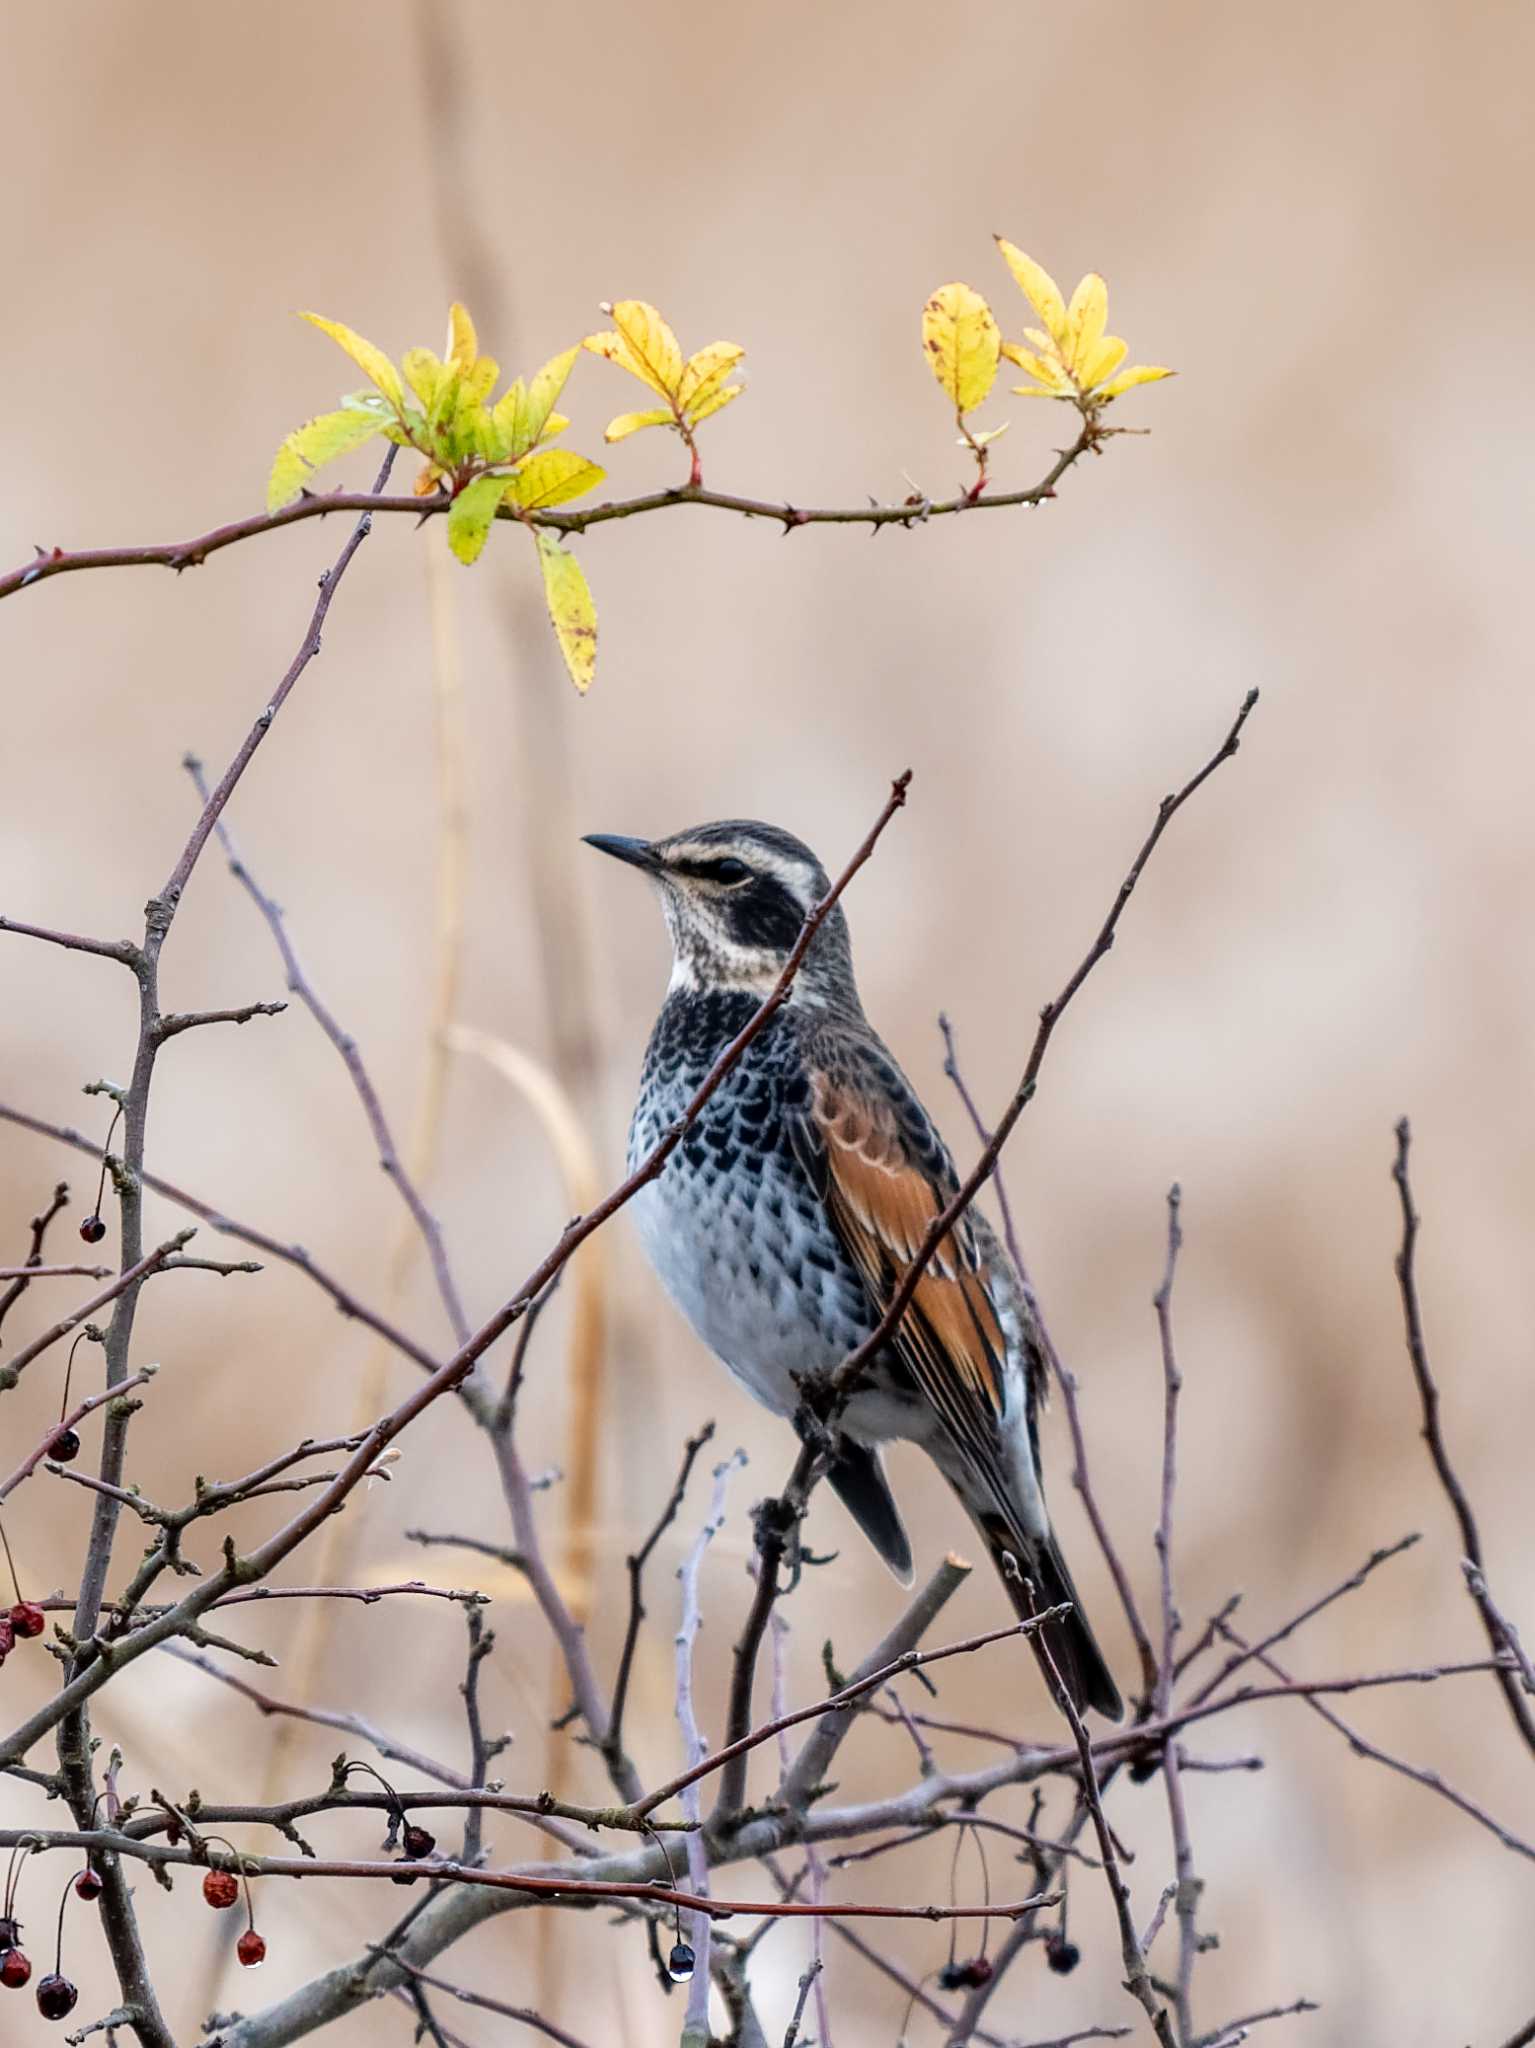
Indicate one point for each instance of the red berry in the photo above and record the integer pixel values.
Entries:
(221, 1888)
(14, 1969)
(250, 1948)
(55, 1997)
(419, 1843)
(93, 1230)
(65, 1445)
(7, 1636)
(27, 1619)
(88, 1884)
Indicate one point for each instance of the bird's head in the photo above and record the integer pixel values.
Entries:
(735, 896)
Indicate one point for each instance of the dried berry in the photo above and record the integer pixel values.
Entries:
(250, 1948)
(419, 1843)
(221, 1888)
(7, 1636)
(15, 1969)
(965, 1976)
(1062, 1955)
(88, 1884)
(679, 1964)
(404, 1877)
(93, 1230)
(27, 1619)
(64, 1446)
(56, 1996)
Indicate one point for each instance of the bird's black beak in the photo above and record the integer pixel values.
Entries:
(639, 853)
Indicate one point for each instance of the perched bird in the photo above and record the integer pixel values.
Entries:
(787, 1217)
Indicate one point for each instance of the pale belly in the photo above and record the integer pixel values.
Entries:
(764, 1287)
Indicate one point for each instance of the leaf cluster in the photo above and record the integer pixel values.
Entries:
(487, 458)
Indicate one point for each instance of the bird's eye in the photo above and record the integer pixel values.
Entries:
(729, 870)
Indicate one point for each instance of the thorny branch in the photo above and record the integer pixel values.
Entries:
(191, 554)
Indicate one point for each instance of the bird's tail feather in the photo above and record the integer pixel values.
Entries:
(1035, 1575)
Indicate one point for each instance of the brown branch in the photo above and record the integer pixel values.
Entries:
(122, 950)
(174, 1022)
(1351, 1584)
(524, 2014)
(532, 1884)
(1418, 1774)
(191, 554)
(39, 1228)
(948, 1577)
(351, 1057)
(125, 1280)
(1066, 1381)
(29, 1272)
(76, 1415)
(635, 1564)
(1137, 1979)
(349, 1304)
(1433, 1435)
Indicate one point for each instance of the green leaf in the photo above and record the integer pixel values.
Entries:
(550, 476)
(571, 611)
(470, 514)
(318, 440)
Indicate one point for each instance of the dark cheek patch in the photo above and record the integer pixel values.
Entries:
(765, 915)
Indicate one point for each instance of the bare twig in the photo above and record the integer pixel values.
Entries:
(128, 1279)
(351, 1057)
(695, 2028)
(524, 2014)
(39, 1228)
(1066, 1381)
(1419, 1775)
(635, 1564)
(1519, 1707)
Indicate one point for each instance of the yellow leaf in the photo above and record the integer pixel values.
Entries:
(1045, 370)
(642, 344)
(1145, 373)
(1039, 288)
(481, 377)
(463, 343)
(470, 514)
(705, 372)
(1087, 316)
(571, 610)
(373, 363)
(526, 413)
(1101, 362)
(716, 397)
(423, 373)
(961, 340)
(549, 476)
(629, 423)
(318, 440)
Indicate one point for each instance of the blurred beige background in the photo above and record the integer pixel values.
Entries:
(1321, 217)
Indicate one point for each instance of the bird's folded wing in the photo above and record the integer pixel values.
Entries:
(882, 1201)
